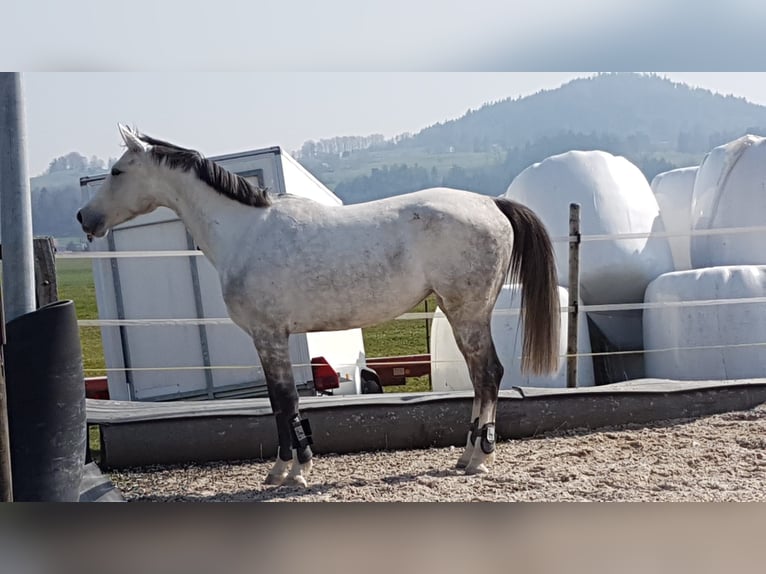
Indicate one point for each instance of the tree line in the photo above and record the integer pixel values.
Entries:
(338, 146)
(495, 178)
(56, 194)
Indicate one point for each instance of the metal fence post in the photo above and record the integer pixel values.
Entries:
(574, 296)
(15, 202)
(18, 288)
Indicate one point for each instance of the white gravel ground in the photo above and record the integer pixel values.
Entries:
(716, 458)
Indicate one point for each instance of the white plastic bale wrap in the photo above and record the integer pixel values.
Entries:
(615, 199)
(730, 191)
(450, 373)
(673, 190)
(706, 326)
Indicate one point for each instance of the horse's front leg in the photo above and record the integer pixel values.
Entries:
(293, 433)
(467, 455)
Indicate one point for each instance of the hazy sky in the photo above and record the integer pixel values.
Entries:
(226, 112)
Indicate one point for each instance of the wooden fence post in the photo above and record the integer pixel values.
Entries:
(574, 295)
(46, 286)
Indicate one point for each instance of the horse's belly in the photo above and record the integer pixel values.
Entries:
(351, 306)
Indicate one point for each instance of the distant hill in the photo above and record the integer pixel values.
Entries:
(664, 114)
(656, 123)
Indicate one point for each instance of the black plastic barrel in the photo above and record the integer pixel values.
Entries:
(46, 404)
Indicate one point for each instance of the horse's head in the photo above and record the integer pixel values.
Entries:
(130, 190)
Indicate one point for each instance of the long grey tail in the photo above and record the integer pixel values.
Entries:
(533, 265)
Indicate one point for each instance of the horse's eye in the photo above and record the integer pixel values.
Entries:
(116, 172)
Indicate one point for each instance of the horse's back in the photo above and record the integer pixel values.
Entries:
(450, 226)
(431, 207)
(437, 199)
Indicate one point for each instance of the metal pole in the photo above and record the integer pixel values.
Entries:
(18, 292)
(574, 295)
(15, 202)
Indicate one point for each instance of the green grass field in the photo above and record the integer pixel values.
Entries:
(75, 282)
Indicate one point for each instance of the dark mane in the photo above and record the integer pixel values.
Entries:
(224, 182)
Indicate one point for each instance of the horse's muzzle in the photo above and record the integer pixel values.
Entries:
(93, 226)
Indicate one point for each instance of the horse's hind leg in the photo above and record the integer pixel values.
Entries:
(474, 338)
(486, 373)
(293, 435)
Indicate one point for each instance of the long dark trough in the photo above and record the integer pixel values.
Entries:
(139, 434)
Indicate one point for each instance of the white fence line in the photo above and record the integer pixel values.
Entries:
(557, 239)
(419, 316)
(431, 362)
(665, 234)
(126, 254)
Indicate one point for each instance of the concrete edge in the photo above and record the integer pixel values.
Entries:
(369, 424)
(115, 412)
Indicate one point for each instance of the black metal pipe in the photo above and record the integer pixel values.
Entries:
(46, 404)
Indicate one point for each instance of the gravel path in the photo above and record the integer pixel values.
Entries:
(716, 458)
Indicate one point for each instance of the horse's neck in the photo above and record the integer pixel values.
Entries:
(206, 215)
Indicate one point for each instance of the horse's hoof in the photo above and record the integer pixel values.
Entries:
(461, 464)
(479, 469)
(274, 479)
(295, 481)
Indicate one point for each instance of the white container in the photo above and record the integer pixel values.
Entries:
(189, 288)
(449, 371)
(688, 343)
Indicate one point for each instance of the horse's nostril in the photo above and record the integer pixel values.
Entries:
(79, 216)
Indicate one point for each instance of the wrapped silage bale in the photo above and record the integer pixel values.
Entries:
(706, 342)
(673, 190)
(449, 371)
(730, 191)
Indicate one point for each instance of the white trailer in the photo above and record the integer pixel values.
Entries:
(186, 347)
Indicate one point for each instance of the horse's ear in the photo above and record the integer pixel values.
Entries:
(131, 139)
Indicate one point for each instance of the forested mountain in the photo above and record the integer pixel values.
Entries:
(658, 113)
